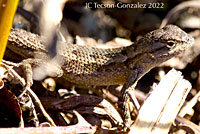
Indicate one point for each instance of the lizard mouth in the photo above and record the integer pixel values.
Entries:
(171, 48)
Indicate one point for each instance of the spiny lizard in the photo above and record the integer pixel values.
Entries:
(101, 67)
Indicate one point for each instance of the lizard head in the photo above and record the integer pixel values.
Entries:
(171, 38)
(159, 46)
(165, 42)
(168, 41)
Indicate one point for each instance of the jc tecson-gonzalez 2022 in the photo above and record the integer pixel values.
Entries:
(124, 5)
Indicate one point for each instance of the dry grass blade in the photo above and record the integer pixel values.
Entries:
(161, 107)
(170, 16)
(7, 12)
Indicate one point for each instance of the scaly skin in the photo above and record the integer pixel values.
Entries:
(101, 67)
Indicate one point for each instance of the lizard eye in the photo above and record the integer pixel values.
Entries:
(170, 43)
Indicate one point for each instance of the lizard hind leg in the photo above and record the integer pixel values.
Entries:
(26, 66)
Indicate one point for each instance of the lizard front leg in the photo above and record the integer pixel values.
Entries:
(129, 86)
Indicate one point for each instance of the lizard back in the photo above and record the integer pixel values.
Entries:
(95, 66)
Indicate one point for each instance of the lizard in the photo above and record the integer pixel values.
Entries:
(102, 67)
